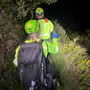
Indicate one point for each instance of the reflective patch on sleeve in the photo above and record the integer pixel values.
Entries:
(57, 49)
(15, 62)
(44, 47)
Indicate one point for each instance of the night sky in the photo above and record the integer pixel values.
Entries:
(71, 14)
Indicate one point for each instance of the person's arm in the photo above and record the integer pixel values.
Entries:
(51, 26)
(15, 61)
(53, 46)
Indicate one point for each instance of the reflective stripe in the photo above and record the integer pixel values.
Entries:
(15, 62)
(45, 47)
(43, 34)
(57, 49)
(51, 29)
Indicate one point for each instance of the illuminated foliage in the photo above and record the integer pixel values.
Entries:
(71, 64)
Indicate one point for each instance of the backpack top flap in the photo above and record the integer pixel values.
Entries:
(29, 53)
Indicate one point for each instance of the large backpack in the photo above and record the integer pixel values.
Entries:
(31, 64)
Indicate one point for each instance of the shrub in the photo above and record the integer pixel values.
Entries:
(69, 63)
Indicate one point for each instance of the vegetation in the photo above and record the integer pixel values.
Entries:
(21, 8)
(71, 64)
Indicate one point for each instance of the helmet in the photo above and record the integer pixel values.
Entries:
(31, 26)
(39, 10)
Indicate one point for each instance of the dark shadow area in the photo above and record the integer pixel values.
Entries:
(73, 15)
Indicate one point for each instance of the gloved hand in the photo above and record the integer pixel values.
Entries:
(15, 62)
(54, 35)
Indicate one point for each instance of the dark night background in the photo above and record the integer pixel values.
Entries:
(71, 14)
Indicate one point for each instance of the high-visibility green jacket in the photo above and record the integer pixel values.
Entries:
(48, 47)
(46, 27)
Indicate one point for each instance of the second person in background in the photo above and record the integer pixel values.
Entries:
(46, 26)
